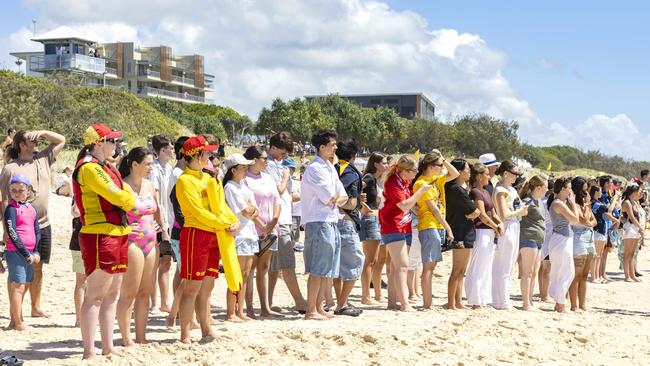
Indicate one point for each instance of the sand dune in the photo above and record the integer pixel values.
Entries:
(614, 332)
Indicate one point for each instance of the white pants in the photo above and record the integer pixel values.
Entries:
(478, 278)
(505, 256)
(560, 249)
(415, 252)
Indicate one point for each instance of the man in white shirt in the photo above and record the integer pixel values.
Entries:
(322, 193)
(284, 258)
(160, 176)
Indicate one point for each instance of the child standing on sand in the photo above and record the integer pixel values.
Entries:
(21, 225)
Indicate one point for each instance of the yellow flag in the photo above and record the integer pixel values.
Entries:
(549, 166)
(416, 155)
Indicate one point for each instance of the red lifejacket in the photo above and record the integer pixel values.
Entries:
(113, 214)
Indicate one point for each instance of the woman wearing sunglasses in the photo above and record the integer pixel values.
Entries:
(508, 207)
(102, 198)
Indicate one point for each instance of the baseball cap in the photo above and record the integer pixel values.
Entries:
(488, 159)
(195, 144)
(235, 159)
(289, 163)
(20, 178)
(97, 132)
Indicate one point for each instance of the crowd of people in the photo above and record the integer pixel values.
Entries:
(242, 214)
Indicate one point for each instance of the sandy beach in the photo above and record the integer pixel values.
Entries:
(613, 332)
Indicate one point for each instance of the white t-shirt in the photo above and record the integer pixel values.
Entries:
(276, 170)
(239, 197)
(160, 177)
(295, 206)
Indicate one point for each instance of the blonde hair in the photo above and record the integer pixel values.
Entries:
(534, 182)
(404, 162)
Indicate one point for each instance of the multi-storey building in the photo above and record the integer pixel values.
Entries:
(143, 71)
(411, 106)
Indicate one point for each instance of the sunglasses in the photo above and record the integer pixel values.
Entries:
(113, 141)
(438, 165)
(513, 173)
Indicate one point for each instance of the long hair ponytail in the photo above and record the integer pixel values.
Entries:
(135, 155)
(558, 186)
(530, 185)
(428, 160)
(403, 163)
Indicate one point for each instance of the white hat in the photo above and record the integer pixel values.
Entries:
(488, 159)
(235, 159)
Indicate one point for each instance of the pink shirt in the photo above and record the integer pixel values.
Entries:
(25, 226)
(266, 196)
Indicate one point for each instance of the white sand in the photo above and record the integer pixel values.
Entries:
(614, 331)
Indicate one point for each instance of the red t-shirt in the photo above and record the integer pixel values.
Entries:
(391, 218)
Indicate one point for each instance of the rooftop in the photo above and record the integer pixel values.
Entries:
(62, 33)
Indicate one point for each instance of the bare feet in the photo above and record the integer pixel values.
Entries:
(111, 353)
(234, 319)
(479, 307)
(195, 325)
(38, 313)
(251, 314)
(628, 280)
(277, 309)
(450, 307)
(127, 342)
(530, 308)
(209, 333)
(244, 317)
(636, 279)
(165, 309)
(315, 316)
(187, 340)
(584, 308)
(393, 307)
(327, 314)
(270, 314)
(18, 326)
(369, 301)
(88, 356)
(407, 309)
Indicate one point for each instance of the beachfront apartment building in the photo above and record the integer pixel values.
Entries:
(408, 105)
(143, 71)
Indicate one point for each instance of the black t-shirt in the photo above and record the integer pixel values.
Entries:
(74, 238)
(351, 180)
(458, 206)
(371, 191)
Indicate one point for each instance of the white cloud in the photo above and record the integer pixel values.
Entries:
(617, 135)
(260, 50)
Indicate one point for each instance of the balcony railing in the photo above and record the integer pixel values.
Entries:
(67, 62)
(183, 80)
(167, 93)
(110, 70)
(95, 85)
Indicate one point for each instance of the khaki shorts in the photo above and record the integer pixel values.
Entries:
(77, 262)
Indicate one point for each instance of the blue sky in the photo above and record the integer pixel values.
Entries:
(596, 51)
(557, 67)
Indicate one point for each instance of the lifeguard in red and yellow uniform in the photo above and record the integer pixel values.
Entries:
(208, 231)
(102, 198)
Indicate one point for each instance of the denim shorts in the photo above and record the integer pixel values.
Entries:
(431, 243)
(393, 237)
(599, 237)
(369, 228)
(19, 270)
(525, 243)
(247, 247)
(322, 249)
(351, 253)
(583, 241)
(176, 249)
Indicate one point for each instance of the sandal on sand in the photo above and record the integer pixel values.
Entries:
(9, 360)
(349, 311)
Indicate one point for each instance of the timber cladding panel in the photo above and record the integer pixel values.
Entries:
(119, 56)
(198, 71)
(165, 63)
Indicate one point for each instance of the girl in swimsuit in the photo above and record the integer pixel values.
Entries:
(144, 218)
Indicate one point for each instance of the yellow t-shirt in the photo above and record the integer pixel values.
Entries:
(426, 219)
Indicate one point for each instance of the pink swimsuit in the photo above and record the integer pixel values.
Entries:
(142, 214)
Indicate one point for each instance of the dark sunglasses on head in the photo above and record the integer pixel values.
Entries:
(519, 174)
